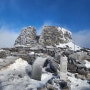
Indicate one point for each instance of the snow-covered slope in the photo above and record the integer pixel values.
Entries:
(78, 84)
(15, 77)
(71, 46)
(27, 36)
(87, 64)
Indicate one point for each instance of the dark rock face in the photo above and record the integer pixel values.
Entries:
(2, 54)
(72, 68)
(82, 71)
(52, 35)
(63, 84)
(27, 36)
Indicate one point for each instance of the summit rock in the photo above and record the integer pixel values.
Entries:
(53, 35)
(27, 36)
(50, 36)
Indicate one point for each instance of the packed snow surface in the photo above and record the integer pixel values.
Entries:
(71, 45)
(15, 77)
(1, 50)
(78, 84)
(87, 64)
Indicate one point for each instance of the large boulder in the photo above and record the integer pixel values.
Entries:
(53, 35)
(72, 68)
(26, 37)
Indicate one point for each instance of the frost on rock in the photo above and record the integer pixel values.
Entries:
(70, 45)
(52, 35)
(26, 37)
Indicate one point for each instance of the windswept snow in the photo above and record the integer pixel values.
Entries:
(71, 45)
(1, 50)
(87, 64)
(15, 77)
(19, 65)
(63, 30)
(78, 84)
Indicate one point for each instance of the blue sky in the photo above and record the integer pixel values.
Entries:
(70, 14)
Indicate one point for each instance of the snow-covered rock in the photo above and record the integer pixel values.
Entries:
(27, 36)
(52, 35)
(78, 84)
(15, 77)
(70, 45)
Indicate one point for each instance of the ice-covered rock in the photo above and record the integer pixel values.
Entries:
(27, 36)
(53, 35)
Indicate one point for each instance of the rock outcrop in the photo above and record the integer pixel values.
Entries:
(27, 36)
(53, 35)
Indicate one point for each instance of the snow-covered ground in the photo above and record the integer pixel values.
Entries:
(71, 45)
(87, 64)
(1, 50)
(15, 77)
(78, 84)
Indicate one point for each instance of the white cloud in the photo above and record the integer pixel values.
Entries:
(7, 37)
(82, 38)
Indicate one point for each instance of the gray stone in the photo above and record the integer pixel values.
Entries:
(26, 37)
(50, 87)
(52, 35)
(72, 68)
(37, 68)
(82, 71)
(80, 76)
(79, 56)
(2, 54)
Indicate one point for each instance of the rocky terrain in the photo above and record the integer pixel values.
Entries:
(50, 61)
(52, 35)
(27, 36)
